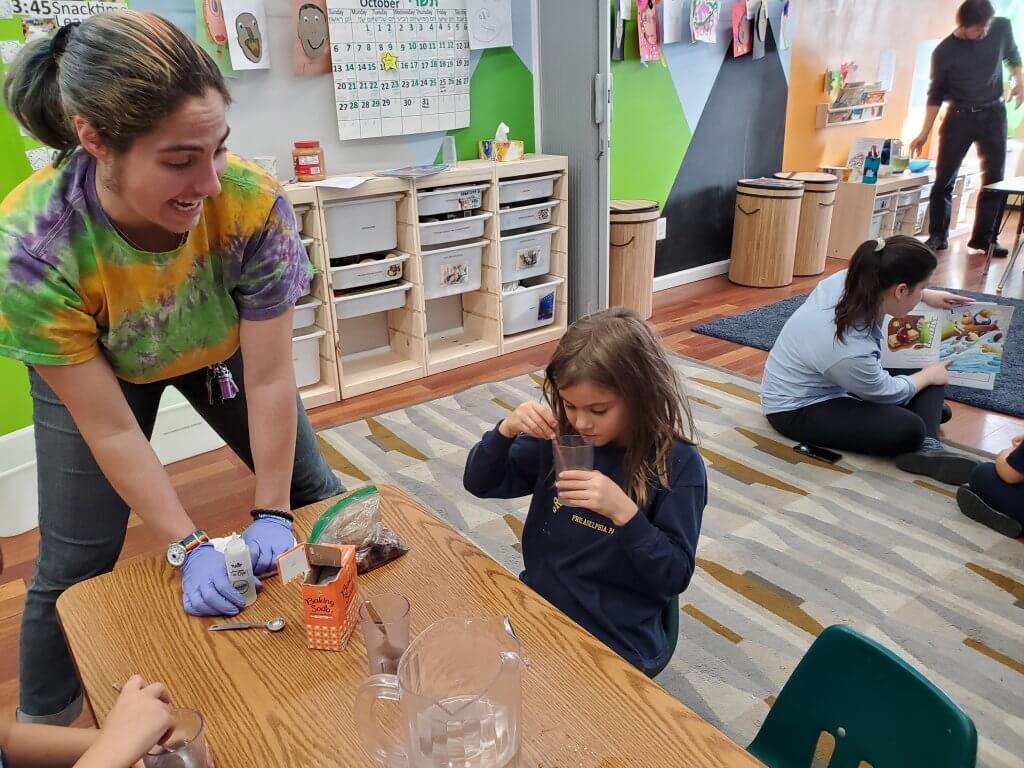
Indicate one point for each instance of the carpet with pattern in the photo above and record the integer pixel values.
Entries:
(789, 546)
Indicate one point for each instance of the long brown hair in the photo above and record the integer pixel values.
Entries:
(617, 351)
(872, 271)
(122, 71)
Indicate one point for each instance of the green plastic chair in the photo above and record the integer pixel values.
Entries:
(877, 707)
(670, 620)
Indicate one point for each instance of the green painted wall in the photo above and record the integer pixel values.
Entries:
(649, 131)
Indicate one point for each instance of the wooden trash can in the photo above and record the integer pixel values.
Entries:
(633, 235)
(764, 233)
(815, 220)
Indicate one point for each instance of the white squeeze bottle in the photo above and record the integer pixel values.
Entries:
(239, 563)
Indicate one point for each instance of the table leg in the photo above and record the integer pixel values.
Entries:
(995, 232)
(1013, 254)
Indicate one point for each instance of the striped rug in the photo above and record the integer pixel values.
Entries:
(789, 546)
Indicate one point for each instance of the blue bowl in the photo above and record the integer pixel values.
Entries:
(919, 165)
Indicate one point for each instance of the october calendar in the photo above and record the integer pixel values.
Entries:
(400, 66)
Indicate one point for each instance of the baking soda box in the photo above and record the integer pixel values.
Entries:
(329, 588)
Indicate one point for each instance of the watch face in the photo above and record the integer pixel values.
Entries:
(176, 554)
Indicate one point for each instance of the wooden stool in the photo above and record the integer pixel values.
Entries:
(764, 232)
(815, 220)
(633, 235)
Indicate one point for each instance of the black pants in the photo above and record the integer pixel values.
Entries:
(986, 128)
(849, 424)
(996, 492)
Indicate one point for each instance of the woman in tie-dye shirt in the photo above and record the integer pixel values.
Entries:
(146, 257)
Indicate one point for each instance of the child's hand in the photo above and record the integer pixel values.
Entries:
(1015, 442)
(596, 492)
(139, 720)
(531, 418)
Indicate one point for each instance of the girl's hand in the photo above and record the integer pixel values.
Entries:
(139, 720)
(531, 418)
(945, 299)
(1016, 442)
(596, 492)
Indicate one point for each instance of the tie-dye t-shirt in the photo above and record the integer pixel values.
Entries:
(71, 285)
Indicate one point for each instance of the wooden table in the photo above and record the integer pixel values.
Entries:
(269, 701)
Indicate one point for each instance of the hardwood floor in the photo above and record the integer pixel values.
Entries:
(217, 488)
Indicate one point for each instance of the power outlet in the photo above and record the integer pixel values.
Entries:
(662, 228)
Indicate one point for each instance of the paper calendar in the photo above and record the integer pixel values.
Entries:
(400, 66)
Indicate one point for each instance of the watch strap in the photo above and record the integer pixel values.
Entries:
(193, 540)
(258, 513)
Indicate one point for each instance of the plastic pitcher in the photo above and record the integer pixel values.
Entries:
(459, 685)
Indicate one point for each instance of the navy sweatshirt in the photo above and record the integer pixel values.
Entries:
(614, 582)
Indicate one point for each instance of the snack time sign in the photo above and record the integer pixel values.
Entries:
(61, 11)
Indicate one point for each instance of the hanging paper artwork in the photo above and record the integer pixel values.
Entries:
(760, 30)
(672, 21)
(704, 20)
(212, 34)
(310, 47)
(647, 30)
(784, 34)
(741, 33)
(247, 29)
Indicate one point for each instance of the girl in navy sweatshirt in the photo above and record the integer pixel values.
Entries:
(624, 542)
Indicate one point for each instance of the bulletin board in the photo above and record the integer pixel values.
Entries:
(400, 66)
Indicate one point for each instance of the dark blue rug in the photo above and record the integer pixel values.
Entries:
(760, 328)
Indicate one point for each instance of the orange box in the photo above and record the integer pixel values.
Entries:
(329, 589)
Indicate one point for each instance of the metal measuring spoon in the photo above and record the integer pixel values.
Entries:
(274, 625)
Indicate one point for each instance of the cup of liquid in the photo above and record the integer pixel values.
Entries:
(185, 747)
(572, 452)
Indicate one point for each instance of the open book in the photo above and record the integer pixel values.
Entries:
(972, 335)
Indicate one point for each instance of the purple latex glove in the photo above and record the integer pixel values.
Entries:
(267, 538)
(205, 587)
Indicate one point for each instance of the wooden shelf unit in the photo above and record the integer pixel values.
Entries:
(824, 115)
(352, 360)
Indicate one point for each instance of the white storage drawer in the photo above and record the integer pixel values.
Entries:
(368, 301)
(453, 230)
(449, 271)
(392, 267)
(885, 202)
(435, 202)
(306, 355)
(530, 306)
(876, 225)
(305, 312)
(361, 226)
(526, 188)
(524, 216)
(907, 197)
(526, 255)
(926, 191)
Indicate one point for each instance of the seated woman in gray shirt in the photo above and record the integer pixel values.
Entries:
(824, 383)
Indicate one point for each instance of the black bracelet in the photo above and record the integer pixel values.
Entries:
(258, 513)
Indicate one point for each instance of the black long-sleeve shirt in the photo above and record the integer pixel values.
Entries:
(614, 582)
(970, 72)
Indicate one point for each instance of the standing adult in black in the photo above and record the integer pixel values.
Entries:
(967, 71)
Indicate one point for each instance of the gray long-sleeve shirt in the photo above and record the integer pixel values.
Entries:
(970, 72)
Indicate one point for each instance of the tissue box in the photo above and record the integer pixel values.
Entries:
(329, 588)
(501, 151)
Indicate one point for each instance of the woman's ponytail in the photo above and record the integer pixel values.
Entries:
(876, 266)
(32, 92)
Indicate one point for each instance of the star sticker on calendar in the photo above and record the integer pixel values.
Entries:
(389, 61)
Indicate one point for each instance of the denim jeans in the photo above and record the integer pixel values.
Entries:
(82, 520)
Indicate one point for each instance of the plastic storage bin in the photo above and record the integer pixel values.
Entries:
(530, 306)
(453, 230)
(392, 267)
(922, 212)
(306, 355)
(907, 197)
(449, 271)
(366, 225)
(368, 301)
(524, 216)
(876, 224)
(526, 188)
(435, 202)
(305, 312)
(885, 202)
(526, 255)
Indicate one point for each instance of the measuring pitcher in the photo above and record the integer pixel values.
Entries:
(459, 685)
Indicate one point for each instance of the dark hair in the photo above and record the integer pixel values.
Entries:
(617, 351)
(874, 270)
(974, 13)
(122, 71)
